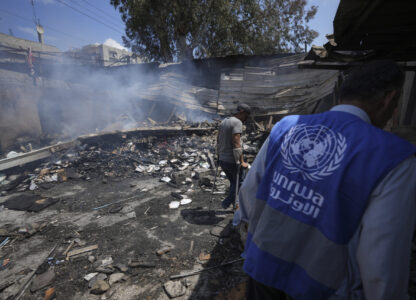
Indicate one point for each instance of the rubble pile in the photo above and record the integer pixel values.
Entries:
(28, 144)
(124, 217)
(127, 217)
(176, 160)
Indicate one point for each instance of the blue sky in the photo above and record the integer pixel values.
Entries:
(66, 28)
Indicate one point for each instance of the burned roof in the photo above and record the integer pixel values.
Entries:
(371, 29)
(271, 85)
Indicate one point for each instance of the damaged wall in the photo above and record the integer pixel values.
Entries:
(278, 87)
(19, 98)
(19, 118)
(66, 99)
(272, 85)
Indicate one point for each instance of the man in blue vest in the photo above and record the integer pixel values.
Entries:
(330, 200)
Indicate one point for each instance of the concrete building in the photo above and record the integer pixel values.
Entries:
(16, 50)
(103, 55)
(23, 65)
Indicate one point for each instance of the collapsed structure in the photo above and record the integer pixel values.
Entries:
(106, 173)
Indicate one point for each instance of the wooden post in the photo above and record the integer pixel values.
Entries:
(151, 109)
(269, 125)
(405, 97)
(171, 113)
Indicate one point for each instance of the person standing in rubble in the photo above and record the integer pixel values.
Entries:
(330, 199)
(230, 151)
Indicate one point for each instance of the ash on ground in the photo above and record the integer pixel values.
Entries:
(116, 219)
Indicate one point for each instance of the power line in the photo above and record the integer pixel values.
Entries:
(96, 9)
(35, 18)
(50, 28)
(94, 13)
(81, 12)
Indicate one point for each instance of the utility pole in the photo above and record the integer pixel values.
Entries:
(39, 28)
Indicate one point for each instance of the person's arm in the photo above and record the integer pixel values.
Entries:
(384, 248)
(238, 152)
(248, 190)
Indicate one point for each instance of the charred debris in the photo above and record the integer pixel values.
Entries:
(122, 215)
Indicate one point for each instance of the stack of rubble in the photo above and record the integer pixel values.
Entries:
(176, 160)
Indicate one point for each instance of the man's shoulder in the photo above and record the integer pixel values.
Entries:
(231, 122)
(234, 121)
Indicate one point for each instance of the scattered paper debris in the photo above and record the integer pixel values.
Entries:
(174, 204)
(185, 201)
(165, 179)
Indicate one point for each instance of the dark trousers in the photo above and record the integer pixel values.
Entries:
(230, 170)
(258, 291)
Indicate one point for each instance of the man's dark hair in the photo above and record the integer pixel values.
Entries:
(369, 82)
(243, 107)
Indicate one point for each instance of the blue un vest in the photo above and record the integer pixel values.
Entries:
(319, 174)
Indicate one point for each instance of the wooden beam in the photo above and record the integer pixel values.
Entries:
(405, 97)
(151, 110)
(270, 123)
(323, 65)
(171, 114)
(82, 250)
(35, 155)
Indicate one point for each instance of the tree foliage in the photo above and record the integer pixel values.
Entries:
(179, 29)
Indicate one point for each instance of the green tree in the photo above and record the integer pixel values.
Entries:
(181, 29)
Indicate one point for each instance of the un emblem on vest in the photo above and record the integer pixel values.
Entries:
(315, 151)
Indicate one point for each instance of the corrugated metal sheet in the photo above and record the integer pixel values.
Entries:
(277, 87)
(280, 87)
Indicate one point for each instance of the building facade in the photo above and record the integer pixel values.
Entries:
(103, 55)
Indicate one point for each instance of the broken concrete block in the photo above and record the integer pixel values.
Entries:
(42, 280)
(107, 261)
(121, 268)
(90, 276)
(131, 215)
(216, 231)
(99, 287)
(80, 242)
(116, 277)
(174, 289)
(105, 269)
(100, 276)
(4, 285)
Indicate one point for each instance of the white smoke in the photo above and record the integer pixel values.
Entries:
(78, 98)
(112, 43)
